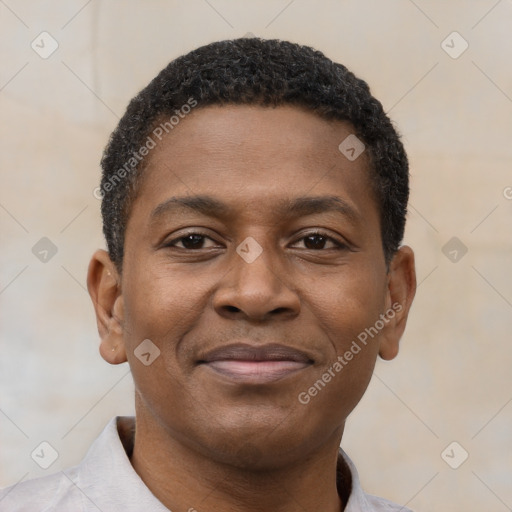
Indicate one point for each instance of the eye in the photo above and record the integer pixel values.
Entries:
(317, 241)
(190, 241)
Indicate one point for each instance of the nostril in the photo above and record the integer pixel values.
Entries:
(232, 309)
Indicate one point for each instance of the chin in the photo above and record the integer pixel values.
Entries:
(257, 449)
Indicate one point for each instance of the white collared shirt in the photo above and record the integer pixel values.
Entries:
(105, 481)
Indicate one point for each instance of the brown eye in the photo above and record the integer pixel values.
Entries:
(315, 241)
(190, 241)
(318, 241)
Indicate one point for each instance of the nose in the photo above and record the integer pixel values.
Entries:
(256, 290)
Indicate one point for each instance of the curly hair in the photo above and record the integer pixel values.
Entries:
(266, 72)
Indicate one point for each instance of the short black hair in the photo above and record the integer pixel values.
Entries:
(266, 72)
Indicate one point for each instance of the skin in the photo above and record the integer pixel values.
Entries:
(205, 441)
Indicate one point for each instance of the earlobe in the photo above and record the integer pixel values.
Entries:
(400, 294)
(104, 285)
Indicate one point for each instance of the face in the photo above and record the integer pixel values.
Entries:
(253, 264)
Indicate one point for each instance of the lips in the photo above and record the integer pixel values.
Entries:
(255, 364)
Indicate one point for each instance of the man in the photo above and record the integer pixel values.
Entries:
(254, 201)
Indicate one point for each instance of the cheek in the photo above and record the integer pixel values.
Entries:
(167, 306)
(339, 383)
(346, 307)
(162, 309)
(160, 300)
(347, 303)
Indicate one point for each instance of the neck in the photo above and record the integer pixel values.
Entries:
(184, 480)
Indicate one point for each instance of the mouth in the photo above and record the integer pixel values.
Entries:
(248, 364)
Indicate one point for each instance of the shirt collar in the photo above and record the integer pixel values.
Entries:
(107, 466)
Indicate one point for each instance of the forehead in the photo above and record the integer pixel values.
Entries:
(253, 157)
(260, 131)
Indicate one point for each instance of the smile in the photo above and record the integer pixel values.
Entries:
(255, 365)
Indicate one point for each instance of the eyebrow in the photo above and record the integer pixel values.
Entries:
(297, 207)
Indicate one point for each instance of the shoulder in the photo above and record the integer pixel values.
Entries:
(51, 493)
(80, 488)
(383, 505)
(358, 499)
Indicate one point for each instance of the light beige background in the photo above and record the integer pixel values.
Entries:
(451, 380)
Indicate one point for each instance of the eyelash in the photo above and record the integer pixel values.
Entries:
(339, 245)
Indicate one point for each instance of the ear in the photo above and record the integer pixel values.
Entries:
(401, 289)
(104, 285)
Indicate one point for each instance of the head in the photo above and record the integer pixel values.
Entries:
(254, 195)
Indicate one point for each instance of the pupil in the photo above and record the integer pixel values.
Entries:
(312, 241)
(196, 241)
(316, 245)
